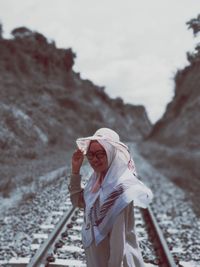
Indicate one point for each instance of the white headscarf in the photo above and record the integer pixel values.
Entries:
(119, 187)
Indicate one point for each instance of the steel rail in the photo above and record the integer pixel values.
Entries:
(41, 254)
(163, 251)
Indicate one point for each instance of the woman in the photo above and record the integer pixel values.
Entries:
(108, 233)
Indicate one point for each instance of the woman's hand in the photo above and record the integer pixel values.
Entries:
(77, 160)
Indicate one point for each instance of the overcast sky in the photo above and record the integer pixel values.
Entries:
(132, 47)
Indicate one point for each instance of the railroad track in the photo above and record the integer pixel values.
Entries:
(64, 241)
(62, 245)
(159, 244)
(58, 242)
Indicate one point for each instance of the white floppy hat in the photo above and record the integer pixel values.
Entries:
(107, 135)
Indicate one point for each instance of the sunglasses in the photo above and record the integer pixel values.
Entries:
(99, 155)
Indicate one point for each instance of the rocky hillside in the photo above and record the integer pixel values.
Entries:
(173, 145)
(45, 105)
(180, 125)
(44, 102)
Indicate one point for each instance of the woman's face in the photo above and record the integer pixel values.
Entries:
(97, 157)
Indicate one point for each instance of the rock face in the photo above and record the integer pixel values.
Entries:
(173, 144)
(44, 103)
(180, 125)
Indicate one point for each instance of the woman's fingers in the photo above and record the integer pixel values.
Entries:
(78, 154)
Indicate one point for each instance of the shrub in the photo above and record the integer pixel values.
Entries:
(21, 32)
